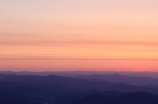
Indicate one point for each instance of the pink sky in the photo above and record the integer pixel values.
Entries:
(62, 35)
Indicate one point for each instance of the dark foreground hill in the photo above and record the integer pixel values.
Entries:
(125, 98)
(14, 99)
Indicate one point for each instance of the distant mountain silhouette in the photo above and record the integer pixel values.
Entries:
(77, 73)
(60, 84)
(116, 78)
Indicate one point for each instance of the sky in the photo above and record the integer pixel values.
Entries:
(82, 35)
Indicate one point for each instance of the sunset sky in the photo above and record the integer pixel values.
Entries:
(87, 35)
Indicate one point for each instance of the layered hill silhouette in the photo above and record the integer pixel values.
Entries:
(77, 73)
(33, 89)
(117, 78)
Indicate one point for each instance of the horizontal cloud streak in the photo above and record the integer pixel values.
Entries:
(40, 43)
(80, 59)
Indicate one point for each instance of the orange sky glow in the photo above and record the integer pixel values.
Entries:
(70, 35)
